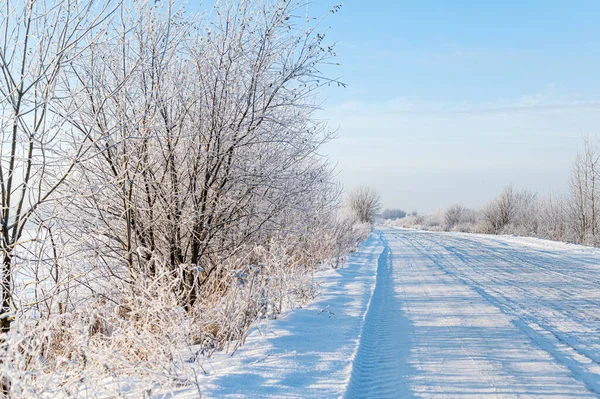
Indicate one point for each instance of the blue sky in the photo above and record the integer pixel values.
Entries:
(449, 101)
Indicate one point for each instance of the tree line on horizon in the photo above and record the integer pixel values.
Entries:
(570, 217)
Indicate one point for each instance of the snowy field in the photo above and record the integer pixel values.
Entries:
(421, 314)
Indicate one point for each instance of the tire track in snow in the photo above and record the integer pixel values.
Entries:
(528, 313)
(380, 364)
(533, 325)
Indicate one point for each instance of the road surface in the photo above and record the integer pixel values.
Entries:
(440, 315)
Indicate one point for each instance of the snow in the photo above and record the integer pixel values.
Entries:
(423, 314)
(490, 316)
(308, 352)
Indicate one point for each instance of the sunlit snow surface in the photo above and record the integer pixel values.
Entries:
(418, 314)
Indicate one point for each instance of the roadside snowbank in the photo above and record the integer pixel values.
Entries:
(307, 352)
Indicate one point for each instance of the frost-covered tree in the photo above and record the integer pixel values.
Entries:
(511, 208)
(40, 42)
(209, 140)
(584, 191)
(453, 216)
(364, 202)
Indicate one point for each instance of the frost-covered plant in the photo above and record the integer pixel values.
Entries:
(142, 337)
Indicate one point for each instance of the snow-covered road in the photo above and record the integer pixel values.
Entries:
(419, 314)
(492, 317)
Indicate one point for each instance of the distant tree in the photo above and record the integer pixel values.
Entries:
(556, 219)
(364, 202)
(511, 207)
(393, 214)
(584, 192)
(453, 216)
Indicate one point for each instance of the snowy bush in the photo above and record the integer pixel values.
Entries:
(512, 211)
(98, 348)
(454, 216)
